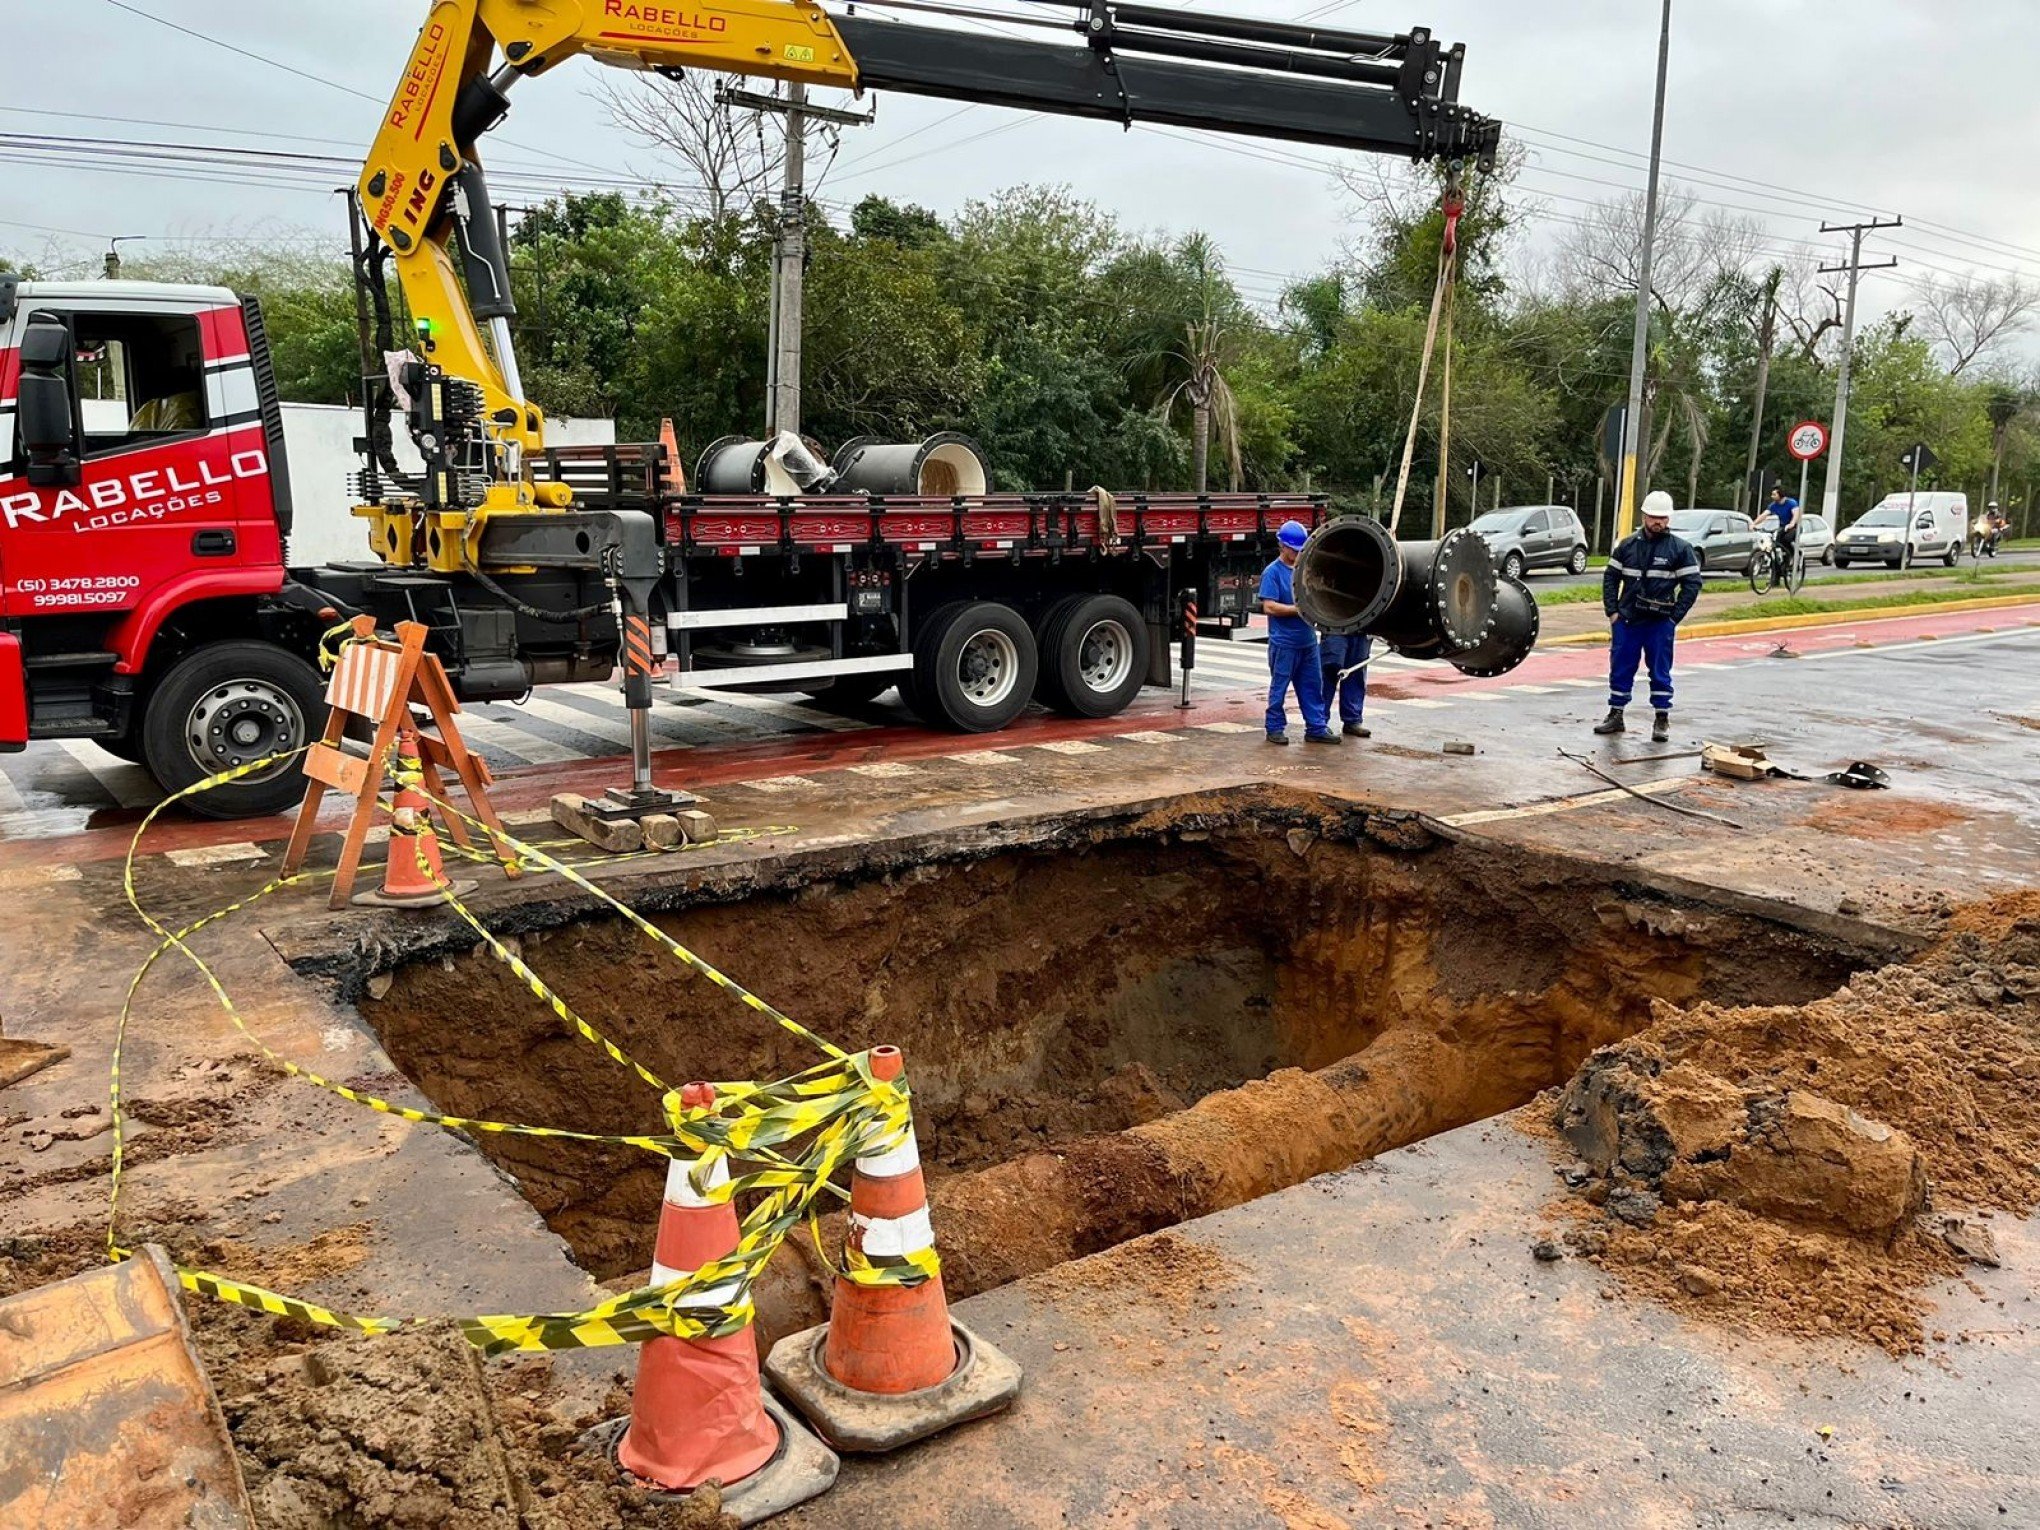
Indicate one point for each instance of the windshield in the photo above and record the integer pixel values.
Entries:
(1885, 515)
(1498, 520)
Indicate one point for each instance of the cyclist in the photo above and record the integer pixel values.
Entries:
(1785, 510)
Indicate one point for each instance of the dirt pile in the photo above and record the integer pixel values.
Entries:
(412, 1430)
(1772, 1164)
(1657, 1130)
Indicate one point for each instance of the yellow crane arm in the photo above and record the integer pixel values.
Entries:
(422, 189)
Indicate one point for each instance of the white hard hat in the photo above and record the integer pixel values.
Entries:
(1657, 503)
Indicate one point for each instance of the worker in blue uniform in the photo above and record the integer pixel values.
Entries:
(1293, 659)
(1651, 582)
(1345, 666)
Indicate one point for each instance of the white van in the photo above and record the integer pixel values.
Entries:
(1908, 528)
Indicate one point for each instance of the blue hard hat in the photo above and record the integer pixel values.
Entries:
(1294, 534)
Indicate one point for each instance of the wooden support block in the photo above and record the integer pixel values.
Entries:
(619, 838)
(662, 832)
(697, 827)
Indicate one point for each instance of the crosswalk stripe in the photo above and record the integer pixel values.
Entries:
(611, 730)
(10, 798)
(128, 785)
(775, 784)
(1225, 727)
(807, 717)
(984, 757)
(1152, 736)
(1071, 746)
(886, 770)
(519, 745)
(215, 855)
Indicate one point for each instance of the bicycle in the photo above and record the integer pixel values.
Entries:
(1769, 570)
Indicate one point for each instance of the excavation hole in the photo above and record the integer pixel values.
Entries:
(1085, 1000)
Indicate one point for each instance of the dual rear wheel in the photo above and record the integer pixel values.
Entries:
(977, 664)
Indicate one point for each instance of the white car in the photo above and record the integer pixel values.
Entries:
(1816, 536)
(1906, 529)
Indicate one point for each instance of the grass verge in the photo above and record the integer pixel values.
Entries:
(1760, 610)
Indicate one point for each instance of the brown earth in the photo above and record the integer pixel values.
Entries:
(1880, 815)
(1059, 1010)
(1767, 1165)
(408, 1430)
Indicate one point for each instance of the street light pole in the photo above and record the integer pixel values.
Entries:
(1831, 500)
(1639, 352)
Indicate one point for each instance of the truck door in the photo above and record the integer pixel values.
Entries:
(174, 479)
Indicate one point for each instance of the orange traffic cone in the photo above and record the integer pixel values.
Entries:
(699, 1413)
(891, 1366)
(414, 876)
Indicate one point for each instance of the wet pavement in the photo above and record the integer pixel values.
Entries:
(1948, 703)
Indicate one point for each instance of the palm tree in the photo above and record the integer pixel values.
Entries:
(1206, 352)
(1202, 336)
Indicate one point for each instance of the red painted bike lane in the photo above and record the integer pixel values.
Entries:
(532, 787)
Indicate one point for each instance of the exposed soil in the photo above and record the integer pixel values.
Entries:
(1315, 988)
(1769, 1165)
(1880, 815)
(410, 1430)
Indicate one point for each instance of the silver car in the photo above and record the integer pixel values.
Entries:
(1525, 537)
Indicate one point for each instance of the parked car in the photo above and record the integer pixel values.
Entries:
(1724, 540)
(1907, 528)
(1525, 537)
(1816, 536)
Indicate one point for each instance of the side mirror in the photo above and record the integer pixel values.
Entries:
(46, 405)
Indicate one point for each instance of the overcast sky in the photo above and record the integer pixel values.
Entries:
(1794, 110)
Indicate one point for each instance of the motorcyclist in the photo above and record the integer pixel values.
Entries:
(1988, 532)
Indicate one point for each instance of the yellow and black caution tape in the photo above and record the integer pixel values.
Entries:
(803, 1130)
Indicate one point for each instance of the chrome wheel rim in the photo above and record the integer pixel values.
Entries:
(988, 668)
(1105, 656)
(240, 722)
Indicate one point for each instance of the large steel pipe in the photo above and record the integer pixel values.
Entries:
(1446, 603)
(1509, 640)
(782, 466)
(1347, 575)
(941, 467)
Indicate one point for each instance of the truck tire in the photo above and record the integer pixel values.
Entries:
(1094, 656)
(974, 667)
(1047, 683)
(227, 704)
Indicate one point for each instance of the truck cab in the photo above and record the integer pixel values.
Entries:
(144, 506)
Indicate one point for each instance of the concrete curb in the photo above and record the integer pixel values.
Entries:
(1813, 619)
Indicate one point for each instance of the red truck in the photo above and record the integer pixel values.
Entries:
(148, 602)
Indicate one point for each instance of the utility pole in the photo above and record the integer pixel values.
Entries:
(789, 262)
(1831, 499)
(1767, 335)
(789, 248)
(1639, 352)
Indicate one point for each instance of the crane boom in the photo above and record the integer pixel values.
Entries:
(424, 194)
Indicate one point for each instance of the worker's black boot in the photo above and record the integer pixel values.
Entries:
(1612, 723)
(1661, 729)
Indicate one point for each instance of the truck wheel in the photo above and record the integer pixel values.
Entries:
(974, 667)
(1048, 682)
(225, 705)
(1094, 656)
